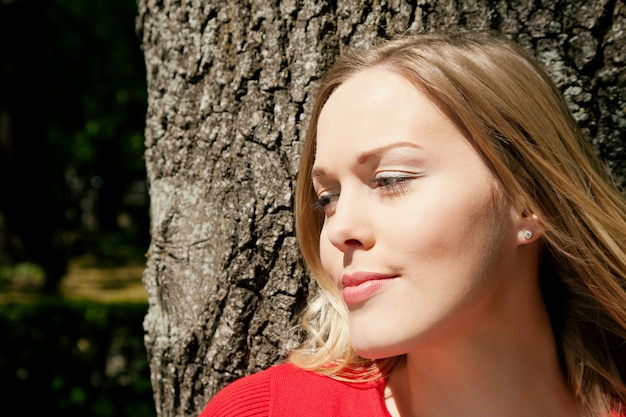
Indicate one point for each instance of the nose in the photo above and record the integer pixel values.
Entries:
(349, 227)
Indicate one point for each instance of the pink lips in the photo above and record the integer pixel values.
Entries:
(360, 286)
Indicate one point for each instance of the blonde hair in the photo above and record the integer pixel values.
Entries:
(518, 121)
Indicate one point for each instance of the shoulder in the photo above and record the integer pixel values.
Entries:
(286, 390)
(246, 397)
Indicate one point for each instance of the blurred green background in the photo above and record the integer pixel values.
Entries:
(74, 223)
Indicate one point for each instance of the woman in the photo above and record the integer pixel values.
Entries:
(469, 248)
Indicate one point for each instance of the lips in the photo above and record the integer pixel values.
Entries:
(360, 286)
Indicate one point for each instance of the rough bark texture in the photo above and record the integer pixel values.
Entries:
(230, 87)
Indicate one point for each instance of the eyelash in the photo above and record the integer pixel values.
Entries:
(391, 185)
(324, 200)
(396, 184)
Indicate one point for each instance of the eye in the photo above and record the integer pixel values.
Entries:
(393, 183)
(390, 179)
(324, 201)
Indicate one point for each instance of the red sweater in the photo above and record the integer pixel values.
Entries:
(288, 391)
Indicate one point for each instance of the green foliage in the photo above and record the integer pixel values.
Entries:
(97, 93)
(74, 358)
(71, 160)
(95, 101)
(22, 276)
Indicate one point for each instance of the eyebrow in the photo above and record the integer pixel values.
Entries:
(367, 155)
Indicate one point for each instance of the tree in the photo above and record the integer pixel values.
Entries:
(230, 87)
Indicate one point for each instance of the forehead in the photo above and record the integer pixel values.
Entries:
(373, 108)
(374, 89)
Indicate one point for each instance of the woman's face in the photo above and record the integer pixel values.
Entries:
(417, 235)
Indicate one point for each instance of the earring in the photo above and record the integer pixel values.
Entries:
(527, 234)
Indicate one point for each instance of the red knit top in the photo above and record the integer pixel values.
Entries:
(288, 391)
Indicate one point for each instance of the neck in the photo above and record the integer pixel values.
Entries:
(487, 370)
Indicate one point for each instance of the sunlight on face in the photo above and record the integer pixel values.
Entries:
(416, 235)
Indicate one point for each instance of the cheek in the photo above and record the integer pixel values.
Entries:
(331, 257)
(460, 227)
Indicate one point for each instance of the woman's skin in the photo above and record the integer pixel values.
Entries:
(431, 258)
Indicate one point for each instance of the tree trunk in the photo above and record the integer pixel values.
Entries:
(230, 86)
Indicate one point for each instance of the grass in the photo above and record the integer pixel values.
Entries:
(82, 352)
(89, 279)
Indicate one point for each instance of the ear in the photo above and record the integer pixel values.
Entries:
(529, 228)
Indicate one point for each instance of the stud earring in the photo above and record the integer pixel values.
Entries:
(527, 234)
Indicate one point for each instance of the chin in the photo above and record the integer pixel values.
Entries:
(376, 352)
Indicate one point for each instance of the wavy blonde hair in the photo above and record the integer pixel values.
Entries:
(518, 121)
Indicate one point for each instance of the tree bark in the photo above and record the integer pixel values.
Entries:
(230, 87)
